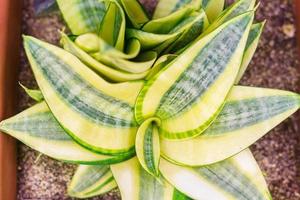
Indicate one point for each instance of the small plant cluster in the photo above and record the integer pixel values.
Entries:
(152, 106)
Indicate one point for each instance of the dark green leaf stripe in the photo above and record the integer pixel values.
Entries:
(177, 195)
(205, 3)
(82, 16)
(240, 114)
(148, 149)
(254, 33)
(238, 8)
(203, 71)
(80, 95)
(41, 125)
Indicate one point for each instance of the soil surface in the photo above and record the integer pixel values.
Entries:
(275, 65)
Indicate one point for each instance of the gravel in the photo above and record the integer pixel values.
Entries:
(275, 65)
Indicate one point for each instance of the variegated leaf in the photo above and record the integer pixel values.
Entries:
(102, 112)
(37, 128)
(197, 82)
(236, 178)
(248, 114)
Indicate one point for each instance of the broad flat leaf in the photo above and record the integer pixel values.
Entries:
(107, 72)
(37, 128)
(91, 43)
(249, 113)
(160, 63)
(112, 29)
(147, 146)
(89, 181)
(252, 43)
(188, 94)
(135, 12)
(236, 178)
(94, 112)
(166, 7)
(166, 24)
(136, 184)
(82, 16)
(34, 94)
(213, 8)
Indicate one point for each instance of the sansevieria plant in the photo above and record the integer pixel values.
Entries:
(152, 105)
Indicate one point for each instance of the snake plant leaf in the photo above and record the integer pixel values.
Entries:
(112, 29)
(166, 7)
(34, 94)
(236, 9)
(136, 184)
(135, 12)
(198, 25)
(213, 8)
(249, 113)
(148, 40)
(96, 46)
(236, 178)
(160, 63)
(91, 180)
(141, 64)
(189, 95)
(82, 16)
(165, 24)
(107, 72)
(252, 43)
(147, 146)
(94, 112)
(37, 128)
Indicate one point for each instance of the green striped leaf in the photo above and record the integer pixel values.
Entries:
(112, 28)
(90, 181)
(141, 64)
(166, 24)
(102, 112)
(166, 7)
(136, 184)
(197, 26)
(147, 146)
(213, 8)
(107, 72)
(83, 16)
(34, 94)
(37, 128)
(252, 43)
(198, 82)
(135, 12)
(249, 113)
(236, 178)
(195, 22)
(91, 43)
(160, 63)
(236, 9)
